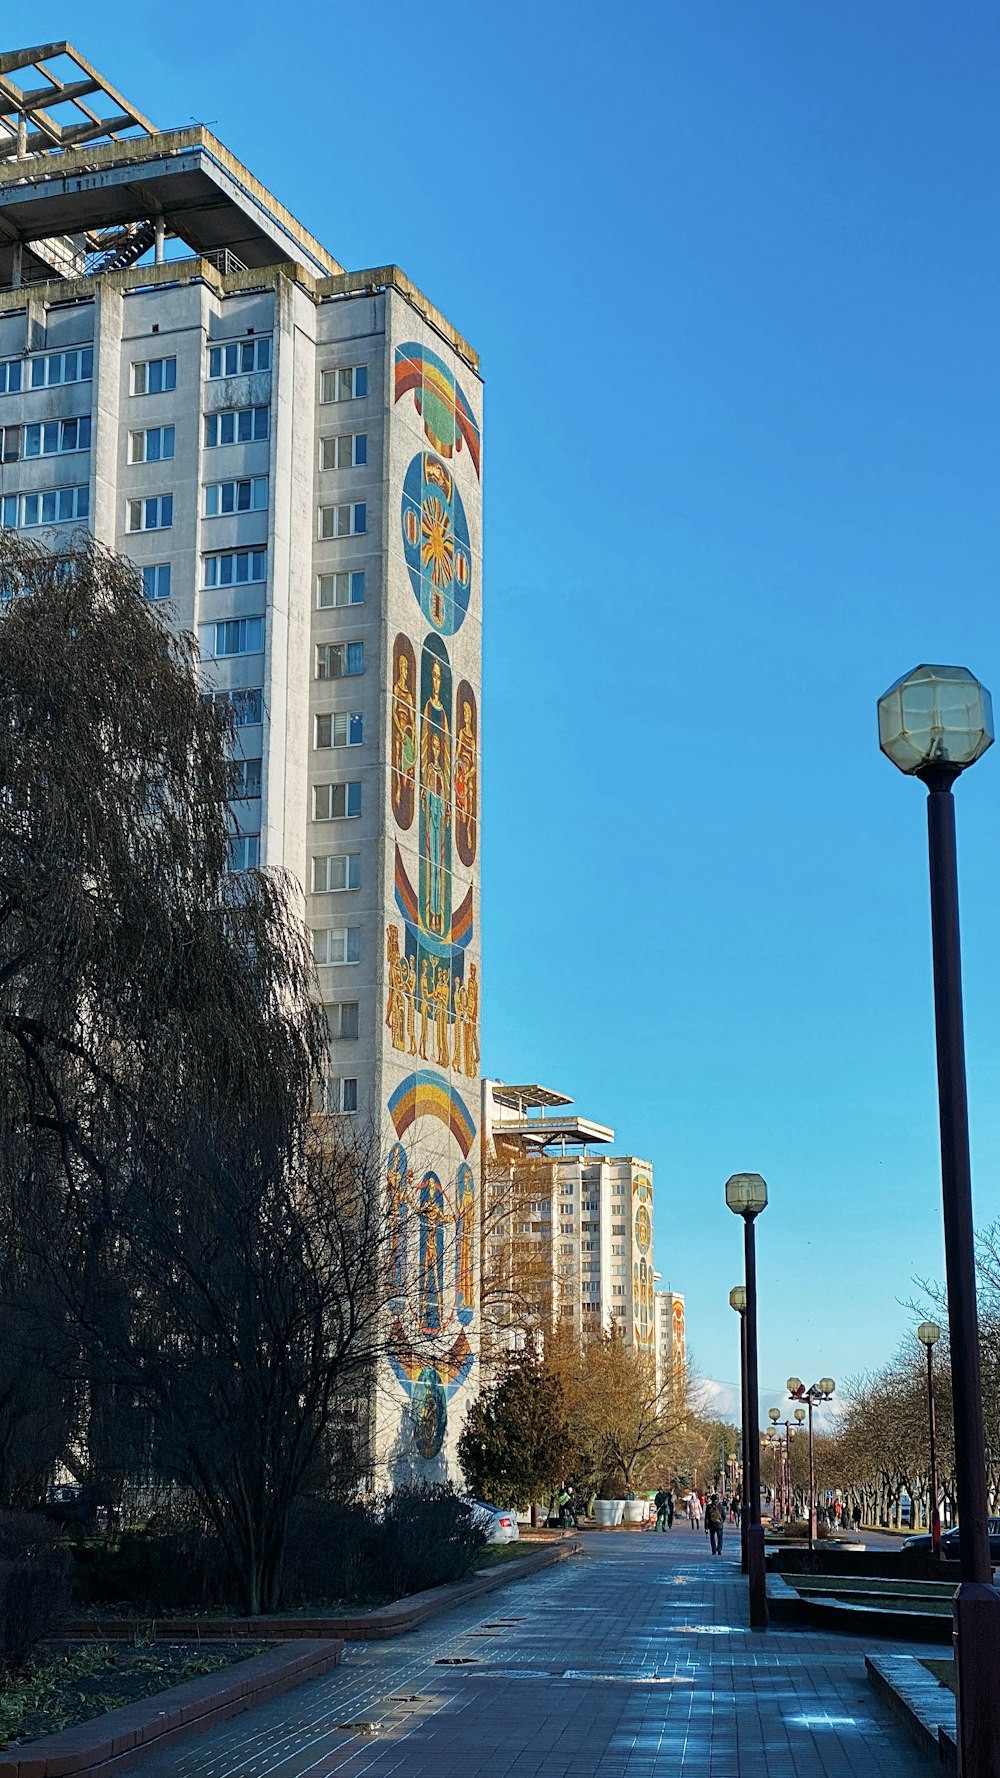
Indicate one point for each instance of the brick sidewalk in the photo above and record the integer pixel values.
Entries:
(631, 1661)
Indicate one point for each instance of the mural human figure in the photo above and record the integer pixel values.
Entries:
(442, 998)
(459, 1003)
(435, 803)
(464, 1234)
(395, 1012)
(426, 991)
(431, 1217)
(397, 1174)
(466, 779)
(404, 735)
(472, 1023)
(410, 971)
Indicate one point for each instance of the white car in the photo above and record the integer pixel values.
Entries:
(499, 1524)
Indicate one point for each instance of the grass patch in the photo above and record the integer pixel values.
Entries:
(944, 1673)
(57, 1691)
(494, 1553)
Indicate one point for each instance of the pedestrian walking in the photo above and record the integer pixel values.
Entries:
(856, 1515)
(715, 1524)
(694, 1512)
(670, 1509)
(660, 1499)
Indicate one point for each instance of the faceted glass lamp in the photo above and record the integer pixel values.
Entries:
(774, 1414)
(738, 1298)
(826, 1385)
(800, 1414)
(928, 1333)
(935, 716)
(793, 1385)
(746, 1194)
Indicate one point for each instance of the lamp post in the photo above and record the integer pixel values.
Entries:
(738, 1301)
(774, 1415)
(929, 1333)
(799, 1416)
(933, 723)
(746, 1196)
(820, 1391)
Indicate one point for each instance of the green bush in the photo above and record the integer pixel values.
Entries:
(385, 1548)
(34, 1590)
(152, 1571)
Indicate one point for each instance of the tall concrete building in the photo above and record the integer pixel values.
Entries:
(568, 1234)
(668, 1318)
(291, 454)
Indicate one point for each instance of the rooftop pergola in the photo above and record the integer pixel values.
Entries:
(88, 185)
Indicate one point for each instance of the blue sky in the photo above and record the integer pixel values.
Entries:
(733, 269)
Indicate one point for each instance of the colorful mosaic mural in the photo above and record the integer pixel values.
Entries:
(432, 1007)
(436, 543)
(448, 419)
(466, 773)
(643, 1289)
(404, 730)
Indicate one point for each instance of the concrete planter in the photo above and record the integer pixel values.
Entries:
(636, 1512)
(609, 1512)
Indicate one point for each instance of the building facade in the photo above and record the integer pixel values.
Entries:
(668, 1315)
(568, 1235)
(291, 455)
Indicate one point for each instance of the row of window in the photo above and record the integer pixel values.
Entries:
(248, 567)
(54, 506)
(155, 512)
(158, 376)
(51, 438)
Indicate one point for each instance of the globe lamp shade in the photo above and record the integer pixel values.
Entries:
(935, 716)
(826, 1385)
(795, 1385)
(928, 1333)
(746, 1194)
(738, 1298)
(800, 1414)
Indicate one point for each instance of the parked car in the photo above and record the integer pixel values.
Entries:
(949, 1542)
(499, 1524)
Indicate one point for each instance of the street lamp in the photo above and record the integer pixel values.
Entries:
(738, 1301)
(929, 1333)
(933, 723)
(746, 1196)
(820, 1391)
(774, 1415)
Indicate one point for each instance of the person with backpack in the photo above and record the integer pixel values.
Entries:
(715, 1524)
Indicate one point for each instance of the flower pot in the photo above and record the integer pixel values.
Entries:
(604, 1512)
(636, 1512)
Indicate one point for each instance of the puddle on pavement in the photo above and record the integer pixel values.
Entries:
(820, 1719)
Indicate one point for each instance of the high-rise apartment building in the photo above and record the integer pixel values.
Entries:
(567, 1234)
(291, 455)
(668, 1317)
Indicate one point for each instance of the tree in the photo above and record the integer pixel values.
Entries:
(627, 1427)
(515, 1447)
(217, 1256)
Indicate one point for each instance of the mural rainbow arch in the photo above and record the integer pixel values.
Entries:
(439, 400)
(426, 1094)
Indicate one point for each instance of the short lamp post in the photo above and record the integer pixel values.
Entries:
(929, 1333)
(820, 1391)
(933, 724)
(738, 1301)
(746, 1196)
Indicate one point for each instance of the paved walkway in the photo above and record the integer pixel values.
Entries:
(633, 1660)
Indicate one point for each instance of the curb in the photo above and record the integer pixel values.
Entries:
(378, 1624)
(924, 1706)
(113, 1742)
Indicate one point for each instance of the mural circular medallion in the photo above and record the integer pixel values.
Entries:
(430, 1412)
(436, 543)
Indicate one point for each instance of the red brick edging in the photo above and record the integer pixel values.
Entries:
(364, 1626)
(112, 1742)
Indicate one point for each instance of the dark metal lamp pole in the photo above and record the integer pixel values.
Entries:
(928, 1333)
(933, 723)
(746, 1196)
(738, 1301)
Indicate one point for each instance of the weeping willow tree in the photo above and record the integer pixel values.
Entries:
(209, 1254)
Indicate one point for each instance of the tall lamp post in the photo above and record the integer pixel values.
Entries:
(774, 1415)
(932, 724)
(738, 1301)
(929, 1333)
(799, 1417)
(746, 1196)
(820, 1391)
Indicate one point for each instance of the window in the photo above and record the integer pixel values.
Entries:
(336, 802)
(237, 567)
(155, 514)
(242, 496)
(619, 1188)
(154, 445)
(349, 384)
(337, 944)
(345, 729)
(10, 376)
(62, 367)
(236, 425)
(618, 1228)
(339, 660)
(238, 357)
(247, 704)
(339, 1095)
(617, 1247)
(154, 376)
(54, 437)
(618, 1309)
(619, 1271)
(565, 1228)
(55, 506)
(342, 1018)
(340, 589)
(343, 521)
(348, 450)
(10, 444)
(156, 580)
(342, 870)
(236, 635)
(246, 778)
(244, 851)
